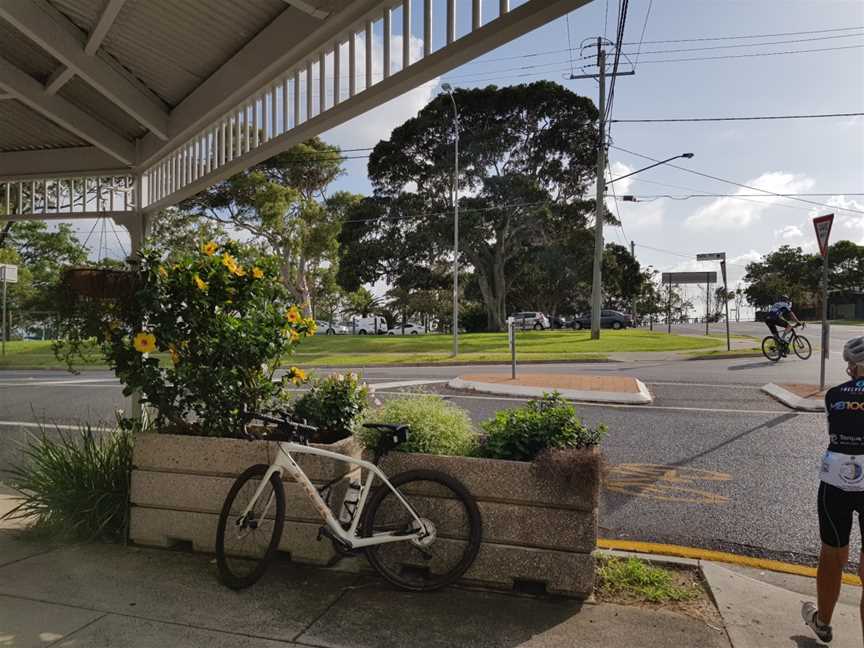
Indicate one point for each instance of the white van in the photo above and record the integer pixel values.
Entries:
(367, 325)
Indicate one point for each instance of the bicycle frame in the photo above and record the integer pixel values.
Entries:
(285, 462)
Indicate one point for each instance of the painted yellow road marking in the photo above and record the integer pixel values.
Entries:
(696, 553)
(665, 483)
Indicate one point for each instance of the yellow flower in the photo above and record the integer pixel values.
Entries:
(239, 271)
(311, 326)
(229, 261)
(144, 342)
(163, 272)
(293, 315)
(202, 285)
(257, 272)
(210, 248)
(295, 336)
(297, 375)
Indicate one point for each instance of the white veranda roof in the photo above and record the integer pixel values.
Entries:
(164, 97)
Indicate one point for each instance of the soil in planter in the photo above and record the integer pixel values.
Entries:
(695, 600)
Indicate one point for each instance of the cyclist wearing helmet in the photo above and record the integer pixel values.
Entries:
(841, 489)
(781, 313)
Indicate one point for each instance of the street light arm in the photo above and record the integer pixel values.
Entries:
(650, 166)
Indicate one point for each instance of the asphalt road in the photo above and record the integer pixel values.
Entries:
(713, 462)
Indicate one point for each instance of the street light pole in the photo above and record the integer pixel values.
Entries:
(449, 90)
(599, 208)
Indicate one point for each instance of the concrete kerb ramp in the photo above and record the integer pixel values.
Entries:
(623, 390)
(805, 398)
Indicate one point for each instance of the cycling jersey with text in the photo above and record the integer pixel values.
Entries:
(843, 463)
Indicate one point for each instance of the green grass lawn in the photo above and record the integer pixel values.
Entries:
(473, 347)
(848, 322)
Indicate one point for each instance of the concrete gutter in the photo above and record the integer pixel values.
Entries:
(640, 397)
(793, 400)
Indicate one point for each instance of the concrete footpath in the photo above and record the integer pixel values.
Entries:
(96, 596)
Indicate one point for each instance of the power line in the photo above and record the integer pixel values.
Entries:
(642, 37)
(739, 184)
(615, 201)
(747, 45)
(739, 37)
(569, 44)
(756, 55)
(715, 195)
(726, 119)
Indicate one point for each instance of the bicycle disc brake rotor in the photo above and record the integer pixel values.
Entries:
(431, 533)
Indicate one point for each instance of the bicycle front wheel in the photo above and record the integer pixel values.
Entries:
(246, 544)
(771, 348)
(802, 348)
(450, 514)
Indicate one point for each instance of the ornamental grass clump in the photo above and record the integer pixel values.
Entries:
(436, 425)
(549, 423)
(200, 337)
(75, 486)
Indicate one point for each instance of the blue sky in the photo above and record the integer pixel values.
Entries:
(812, 156)
(800, 156)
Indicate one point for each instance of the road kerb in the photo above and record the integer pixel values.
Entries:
(697, 553)
(640, 396)
(793, 400)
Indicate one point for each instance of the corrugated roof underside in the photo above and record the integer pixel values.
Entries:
(173, 47)
(81, 94)
(23, 129)
(84, 13)
(24, 54)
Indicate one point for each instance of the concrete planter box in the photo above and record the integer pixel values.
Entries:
(179, 484)
(539, 518)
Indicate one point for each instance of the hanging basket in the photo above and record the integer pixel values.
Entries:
(100, 283)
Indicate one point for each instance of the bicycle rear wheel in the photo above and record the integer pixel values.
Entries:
(447, 509)
(801, 346)
(245, 546)
(771, 348)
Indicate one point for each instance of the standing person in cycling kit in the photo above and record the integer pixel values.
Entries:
(841, 490)
(780, 313)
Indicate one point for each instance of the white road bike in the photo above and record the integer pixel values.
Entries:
(420, 530)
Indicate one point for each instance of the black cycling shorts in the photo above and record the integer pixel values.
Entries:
(835, 514)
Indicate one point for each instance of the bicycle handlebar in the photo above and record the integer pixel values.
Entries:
(289, 429)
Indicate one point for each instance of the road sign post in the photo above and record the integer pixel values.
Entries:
(822, 225)
(721, 257)
(8, 274)
(511, 338)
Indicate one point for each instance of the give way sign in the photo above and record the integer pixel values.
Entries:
(823, 231)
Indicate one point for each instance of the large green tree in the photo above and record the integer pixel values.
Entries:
(526, 158)
(786, 271)
(284, 204)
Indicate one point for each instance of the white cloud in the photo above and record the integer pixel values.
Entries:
(847, 225)
(726, 214)
(789, 232)
(634, 216)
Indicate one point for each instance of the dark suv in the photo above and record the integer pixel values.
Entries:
(608, 319)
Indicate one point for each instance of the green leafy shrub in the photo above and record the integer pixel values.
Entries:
(334, 405)
(632, 578)
(521, 433)
(200, 337)
(437, 426)
(75, 486)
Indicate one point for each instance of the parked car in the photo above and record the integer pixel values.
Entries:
(368, 325)
(558, 322)
(608, 319)
(411, 328)
(333, 328)
(530, 320)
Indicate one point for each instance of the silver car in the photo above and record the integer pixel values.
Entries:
(531, 320)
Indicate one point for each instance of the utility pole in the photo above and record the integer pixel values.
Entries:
(600, 207)
(635, 295)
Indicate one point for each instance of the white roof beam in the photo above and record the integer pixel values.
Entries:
(6, 95)
(58, 79)
(308, 8)
(48, 28)
(29, 91)
(100, 31)
(75, 162)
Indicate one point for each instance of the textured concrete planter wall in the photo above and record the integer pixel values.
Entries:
(179, 484)
(539, 519)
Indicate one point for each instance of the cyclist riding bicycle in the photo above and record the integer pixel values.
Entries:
(781, 313)
(841, 490)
